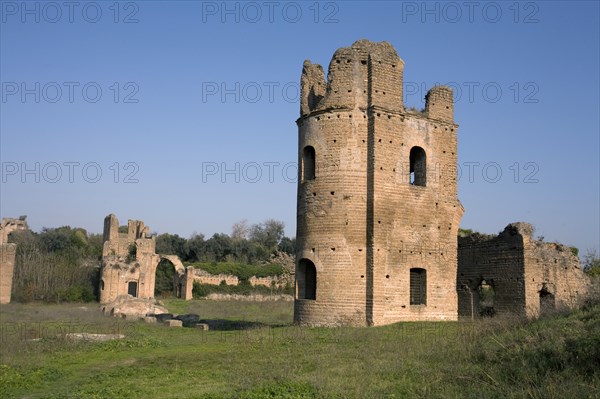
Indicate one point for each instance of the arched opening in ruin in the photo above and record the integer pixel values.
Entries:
(306, 280)
(308, 163)
(418, 286)
(167, 282)
(132, 288)
(418, 167)
(486, 295)
(547, 301)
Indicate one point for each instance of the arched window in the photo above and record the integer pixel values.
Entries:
(306, 280)
(418, 286)
(418, 167)
(308, 163)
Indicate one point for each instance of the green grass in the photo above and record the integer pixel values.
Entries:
(258, 353)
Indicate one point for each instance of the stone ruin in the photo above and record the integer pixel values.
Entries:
(376, 231)
(129, 262)
(377, 225)
(378, 210)
(8, 253)
(513, 274)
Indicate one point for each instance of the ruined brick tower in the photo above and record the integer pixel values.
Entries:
(129, 263)
(378, 212)
(8, 253)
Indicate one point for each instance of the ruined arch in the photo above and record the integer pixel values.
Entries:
(169, 277)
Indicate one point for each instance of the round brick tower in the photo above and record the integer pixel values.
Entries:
(365, 191)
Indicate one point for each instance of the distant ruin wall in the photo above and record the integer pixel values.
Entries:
(272, 281)
(8, 254)
(129, 262)
(528, 277)
(7, 266)
(553, 274)
(204, 277)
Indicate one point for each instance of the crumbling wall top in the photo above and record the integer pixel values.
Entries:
(9, 225)
(119, 244)
(355, 75)
(521, 228)
(364, 48)
(520, 231)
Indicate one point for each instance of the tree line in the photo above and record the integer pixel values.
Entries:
(56, 265)
(63, 264)
(247, 244)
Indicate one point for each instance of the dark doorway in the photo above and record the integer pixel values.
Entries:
(307, 280)
(547, 302)
(132, 288)
(487, 296)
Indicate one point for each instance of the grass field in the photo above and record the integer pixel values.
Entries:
(257, 353)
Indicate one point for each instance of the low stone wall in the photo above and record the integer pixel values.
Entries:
(271, 281)
(253, 297)
(204, 277)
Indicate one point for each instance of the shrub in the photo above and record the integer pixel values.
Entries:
(242, 271)
(75, 293)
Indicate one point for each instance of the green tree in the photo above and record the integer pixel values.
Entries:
(55, 265)
(218, 247)
(171, 244)
(591, 263)
(268, 234)
(288, 245)
(165, 273)
(54, 240)
(196, 248)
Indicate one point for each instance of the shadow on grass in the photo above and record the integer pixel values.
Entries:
(231, 325)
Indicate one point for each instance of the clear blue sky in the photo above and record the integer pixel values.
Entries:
(189, 89)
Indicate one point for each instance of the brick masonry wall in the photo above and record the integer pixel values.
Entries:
(8, 253)
(214, 279)
(7, 266)
(499, 261)
(119, 268)
(553, 268)
(360, 221)
(521, 271)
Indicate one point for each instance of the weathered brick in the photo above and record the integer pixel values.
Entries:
(360, 221)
